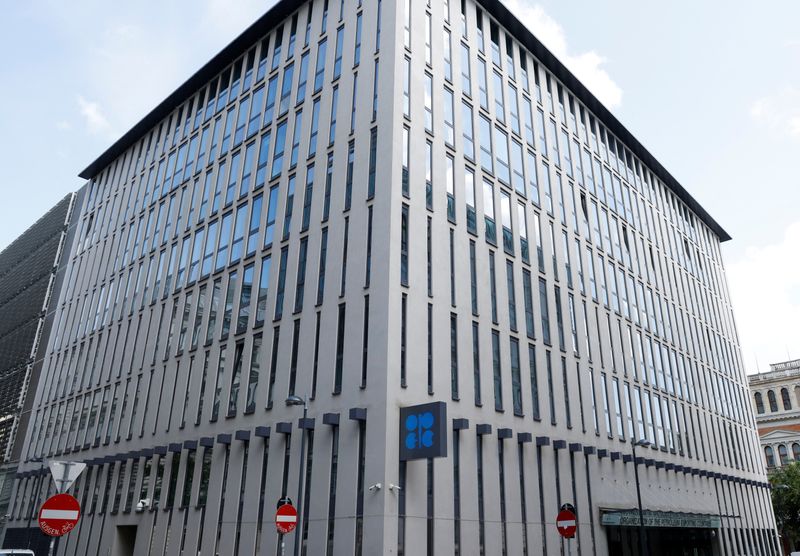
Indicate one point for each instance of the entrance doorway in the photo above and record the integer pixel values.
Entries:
(125, 541)
(662, 541)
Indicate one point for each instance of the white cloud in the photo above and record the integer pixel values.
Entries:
(63, 125)
(779, 111)
(765, 290)
(96, 122)
(228, 18)
(587, 66)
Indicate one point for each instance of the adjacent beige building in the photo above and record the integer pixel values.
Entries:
(776, 401)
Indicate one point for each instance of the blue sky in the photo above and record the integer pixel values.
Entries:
(711, 88)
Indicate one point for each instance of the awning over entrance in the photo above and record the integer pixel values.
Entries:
(675, 520)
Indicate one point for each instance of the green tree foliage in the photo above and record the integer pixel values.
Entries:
(786, 500)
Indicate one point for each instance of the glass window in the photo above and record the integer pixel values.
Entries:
(759, 402)
(296, 135)
(499, 101)
(449, 133)
(263, 156)
(469, 196)
(485, 130)
(337, 61)
(301, 275)
(488, 211)
(249, 155)
(544, 311)
(429, 175)
(307, 198)
(501, 152)
(483, 95)
(357, 49)
(404, 224)
(241, 122)
(518, 174)
(406, 154)
(244, 299)
(769, 453)
(263, 290)
(497, 371)
(255, 368)
(512, 303)
(303, 77)
(323, 255)
(773, 403)
(277, 155)
(468, 132)
(227, 314)
(281, 283)
(319, 73)
(208, 253)
(272, 209)
(513, 108)
(466, 75)
(224, 242)
(428, 83)
(253, 228)
(212, 314)
(448, 66)
(450, 186)
(334, 107)
(505, 214)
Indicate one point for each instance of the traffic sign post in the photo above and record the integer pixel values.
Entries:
(285, 520)
(566, 523)
(59, 515)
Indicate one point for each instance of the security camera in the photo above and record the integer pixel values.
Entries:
(376, 486)
(143, 504)
(395, 487)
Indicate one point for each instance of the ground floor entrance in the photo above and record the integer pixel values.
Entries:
(665, 533)
(125, 542)
(662, 541)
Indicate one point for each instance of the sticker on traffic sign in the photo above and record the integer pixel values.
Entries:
(566, 523)
(286, 519)
(59, 515)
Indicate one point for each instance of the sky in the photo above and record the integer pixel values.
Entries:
(711, 88)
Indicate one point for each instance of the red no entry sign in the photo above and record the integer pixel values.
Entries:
(59, 515)
(566, 523)
(286, 519)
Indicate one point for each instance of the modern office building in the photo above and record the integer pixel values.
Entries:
(29, 282)
(776, 400)
(372, 205)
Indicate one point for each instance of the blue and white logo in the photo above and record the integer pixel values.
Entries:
(419, 430)
(423, 431)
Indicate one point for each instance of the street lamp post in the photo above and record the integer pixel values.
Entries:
(642, 443)
(290, 401)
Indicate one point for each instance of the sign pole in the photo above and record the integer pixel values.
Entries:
(67, 465)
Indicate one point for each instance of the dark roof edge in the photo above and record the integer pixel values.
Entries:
(284, 8)
(206, 73)
(508, 20)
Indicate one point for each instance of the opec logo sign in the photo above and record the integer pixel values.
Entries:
(423, 431)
